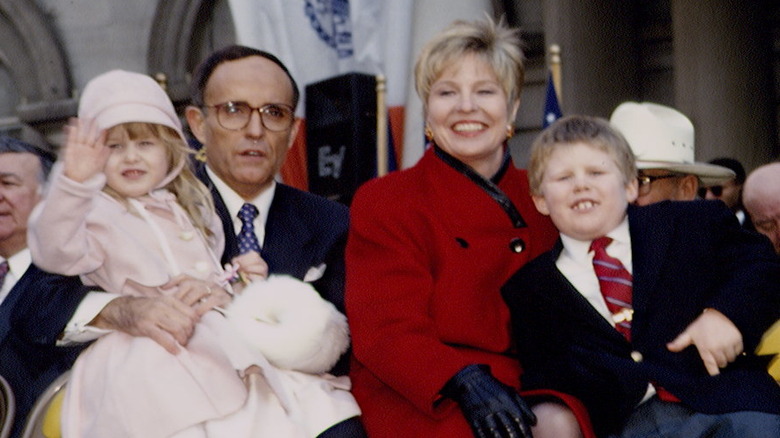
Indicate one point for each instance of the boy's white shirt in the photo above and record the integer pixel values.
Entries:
(576, 264)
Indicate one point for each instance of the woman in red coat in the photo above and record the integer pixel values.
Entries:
(429, 248)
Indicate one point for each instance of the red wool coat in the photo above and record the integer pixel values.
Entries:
(427, 253)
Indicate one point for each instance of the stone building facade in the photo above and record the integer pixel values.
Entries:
(718, 61)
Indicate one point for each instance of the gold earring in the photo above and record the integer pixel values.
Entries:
(510, 131)
(428, 133)
(201, 154)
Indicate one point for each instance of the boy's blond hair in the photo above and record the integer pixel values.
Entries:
(593, 131)
(191, 194)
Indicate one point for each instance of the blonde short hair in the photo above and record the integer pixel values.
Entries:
(500, 46)
(593, 131)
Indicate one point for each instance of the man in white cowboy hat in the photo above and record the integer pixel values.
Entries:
(662, 140)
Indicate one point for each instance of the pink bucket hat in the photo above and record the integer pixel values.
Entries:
(119, 96)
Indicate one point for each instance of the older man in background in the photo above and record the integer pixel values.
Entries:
(35, 306)
(761, 197)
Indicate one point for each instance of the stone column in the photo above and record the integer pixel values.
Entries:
(598, 53)
(722, 78)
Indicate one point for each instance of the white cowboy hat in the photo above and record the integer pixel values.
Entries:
(662, 138)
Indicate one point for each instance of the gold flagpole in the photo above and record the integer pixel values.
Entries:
(555, 68)
(381, 126)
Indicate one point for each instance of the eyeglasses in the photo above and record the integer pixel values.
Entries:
(715, 190)
(235, 116)
(645, 181)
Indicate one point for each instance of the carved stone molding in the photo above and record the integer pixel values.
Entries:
(183, 32)
(170, 43)
(32, 55)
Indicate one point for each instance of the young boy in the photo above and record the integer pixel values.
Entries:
(656, 353)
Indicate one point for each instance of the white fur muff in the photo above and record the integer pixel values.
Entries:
(290, 324)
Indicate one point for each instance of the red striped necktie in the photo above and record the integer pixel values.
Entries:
(615, 283)
(616, 286)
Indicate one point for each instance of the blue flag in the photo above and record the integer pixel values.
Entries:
(552, 109)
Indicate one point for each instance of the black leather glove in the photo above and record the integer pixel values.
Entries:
(492, 409)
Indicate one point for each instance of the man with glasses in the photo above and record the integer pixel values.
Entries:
(761, 195)
(36, 308)
(662, 140)
(243, 114)
(730, 191)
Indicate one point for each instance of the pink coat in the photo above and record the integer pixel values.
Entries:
(83, 230)
(88, 231)
(79, 229)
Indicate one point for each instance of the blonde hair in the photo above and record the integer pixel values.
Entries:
(191, 194)
(592, 131)
(500, 46)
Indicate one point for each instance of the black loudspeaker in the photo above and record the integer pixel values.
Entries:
(341, 135)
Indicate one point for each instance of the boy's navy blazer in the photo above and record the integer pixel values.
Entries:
(303, 231)
(687, 256)
(32, 317)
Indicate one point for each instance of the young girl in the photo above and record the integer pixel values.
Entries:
(125, 211)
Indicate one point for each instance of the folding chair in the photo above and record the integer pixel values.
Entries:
(7, 408)
(44, 419)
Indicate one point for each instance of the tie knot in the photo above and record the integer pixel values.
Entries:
(600, 244)
(3, 268)
(248, 213)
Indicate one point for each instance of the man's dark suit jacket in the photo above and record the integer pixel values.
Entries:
(302, 231)
(32, 317)
(687, 256)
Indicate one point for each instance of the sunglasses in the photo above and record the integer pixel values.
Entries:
(715, 190)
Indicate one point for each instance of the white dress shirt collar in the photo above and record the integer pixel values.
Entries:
(17, 266)
(620, 247)
(233, 202)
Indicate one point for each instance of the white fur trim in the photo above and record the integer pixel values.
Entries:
(287, 320)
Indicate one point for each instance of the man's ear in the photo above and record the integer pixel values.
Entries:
(541, 204)
(294, 132)
(196, 119)
(688, 188)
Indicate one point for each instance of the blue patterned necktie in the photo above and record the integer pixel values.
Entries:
(247, 239)
(616, 285)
